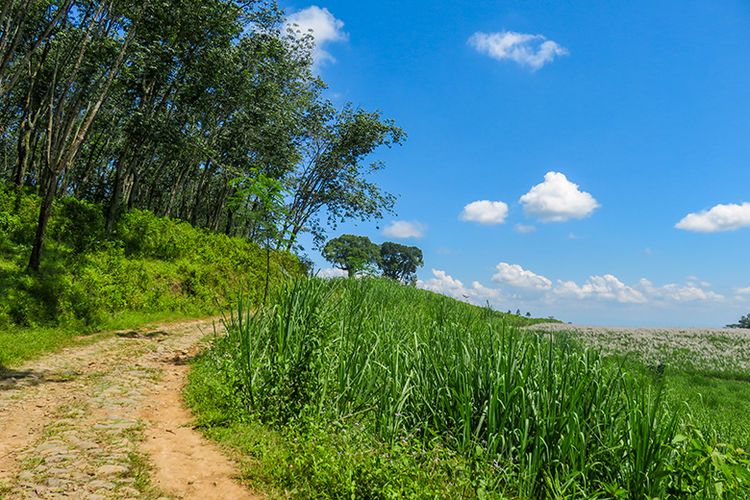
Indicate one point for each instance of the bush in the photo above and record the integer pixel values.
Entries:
(78, 224)
(145, 235)
(150, 264)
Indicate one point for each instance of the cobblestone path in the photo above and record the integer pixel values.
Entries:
(107, 421)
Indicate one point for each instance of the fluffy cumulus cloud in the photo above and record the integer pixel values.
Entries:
(558, 200)
(322, 26)
(516, 276)
(403, 229)
(672, 292)
(522, 286)
(331, 272)
(606, 287)
(719, 218)
(485, 212)
(443, 283)
(525, 49)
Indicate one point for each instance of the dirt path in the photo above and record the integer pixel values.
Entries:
(107, 421)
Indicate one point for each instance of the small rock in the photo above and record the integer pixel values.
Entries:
(26, 476)
(55, 459)
(56, 483)
(99, 484)
(111, 470)
(82, 444)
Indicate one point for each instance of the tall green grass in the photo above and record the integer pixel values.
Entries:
(404, 365)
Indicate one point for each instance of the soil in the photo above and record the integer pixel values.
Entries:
(108, 421)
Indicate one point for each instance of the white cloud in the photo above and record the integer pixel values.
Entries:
(673, 292)
(331, 272)
(524, 228)
(718, 218)
(404, 229)
(485, 212)
(606, 287)
(743, 291)
(479, 291)
(322, 26)
(557, 200)
(531, 290)
(445, 284)
(515, 275)
(525, 49)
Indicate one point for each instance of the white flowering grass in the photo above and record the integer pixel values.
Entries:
(701, 349)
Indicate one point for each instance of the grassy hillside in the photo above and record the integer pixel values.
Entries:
(148, 268)
(368, 389)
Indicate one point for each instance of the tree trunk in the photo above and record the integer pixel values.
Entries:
(44, 212)
(114, 205)
(24, 151)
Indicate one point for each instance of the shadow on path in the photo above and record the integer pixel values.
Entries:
(18, 379)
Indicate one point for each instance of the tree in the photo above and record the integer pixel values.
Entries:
(400, 262)
(744, 322)
(82, 72)
(351, 253)
(202, 110)
(333, 171)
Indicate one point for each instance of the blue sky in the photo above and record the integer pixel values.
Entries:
(626, 116)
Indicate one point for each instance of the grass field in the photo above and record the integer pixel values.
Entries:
(368, 389)
(705, 371)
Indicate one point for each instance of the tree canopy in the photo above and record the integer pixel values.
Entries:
(180, 107)
(400, 262)
(744, 322)
(353, 254)
(356, 254)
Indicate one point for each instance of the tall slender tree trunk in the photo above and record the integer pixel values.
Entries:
(24, 151)
(113, 211)
(45, 210)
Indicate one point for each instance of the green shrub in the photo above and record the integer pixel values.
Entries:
(145, 235)
(149, 265)
(78, 224)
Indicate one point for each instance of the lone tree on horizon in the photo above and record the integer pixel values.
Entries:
(744, 322)
(352, 253)
(400, 262)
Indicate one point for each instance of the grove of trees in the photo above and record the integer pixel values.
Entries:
(202, 110)
(357, 254)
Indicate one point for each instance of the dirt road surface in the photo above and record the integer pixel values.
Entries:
(107, 420)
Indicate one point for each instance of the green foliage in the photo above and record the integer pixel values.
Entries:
(146, 236)
(79, 225)
(393, 364)
(744, 322)
(149, 265)
(400, 262)
(313, 458)
(354, 254)
(704, 470)
(190, 109)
